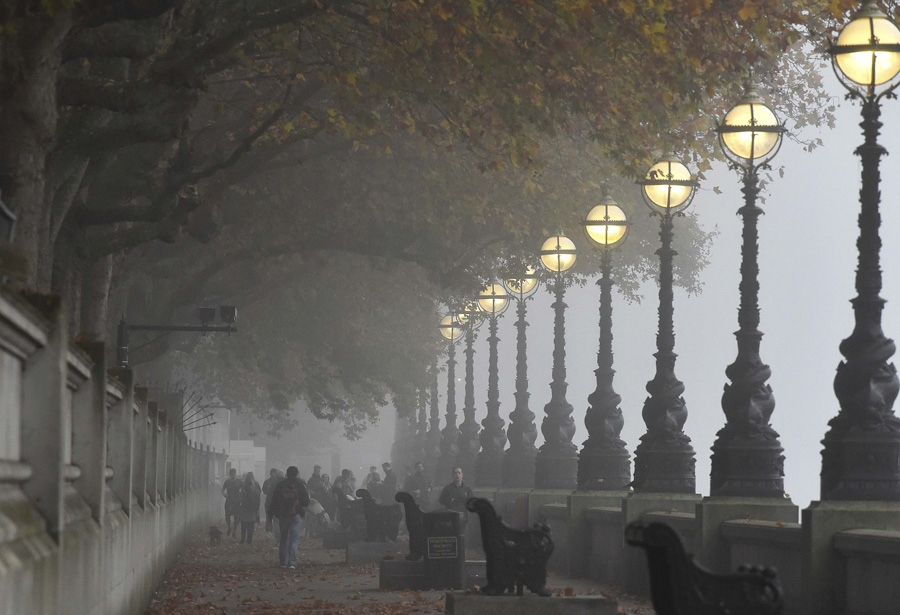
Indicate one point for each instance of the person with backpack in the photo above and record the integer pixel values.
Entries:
(288, 501)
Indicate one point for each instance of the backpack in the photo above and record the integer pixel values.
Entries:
(289, 504)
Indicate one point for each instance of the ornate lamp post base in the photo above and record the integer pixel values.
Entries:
(860, 465)
(488, 467)
(518, 468)
(556, 468)
(747, 467)
(604, 467)
(664, 467)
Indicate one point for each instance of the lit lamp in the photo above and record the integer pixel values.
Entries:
(471, 317)
(493, 300)
(556, 465)
(664, 460)
(747, 457)
(518, 461)
(604, 463)
(866, 59)
(451, 330)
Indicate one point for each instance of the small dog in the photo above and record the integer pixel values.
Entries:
(215, 535)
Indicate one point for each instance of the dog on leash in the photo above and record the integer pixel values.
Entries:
(215, 535)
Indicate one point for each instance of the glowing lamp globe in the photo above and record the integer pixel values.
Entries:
(523, 287)
(493, 299)
(606, 224)
(668, 186)
(450, 327)
(558, 253)
(867, 51)
(751, 131)
(470, 315)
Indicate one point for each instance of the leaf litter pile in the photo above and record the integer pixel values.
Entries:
(231, 579)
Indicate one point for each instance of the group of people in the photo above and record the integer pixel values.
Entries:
(242, 498)
(287, 497)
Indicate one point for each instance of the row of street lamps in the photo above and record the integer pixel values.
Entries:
(861, 455)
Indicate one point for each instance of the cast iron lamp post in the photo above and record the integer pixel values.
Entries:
(861, 454)
(518, 462)
(434, 425)
(747, 457)
(451, 330)
(470, 316)
(556, 465)
(664, 460)
(604, 463)
(493, 301)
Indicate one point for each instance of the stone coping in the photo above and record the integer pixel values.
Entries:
(755, 531)
(554, 511)
(529, 604)
(603, 514)
(869, 542)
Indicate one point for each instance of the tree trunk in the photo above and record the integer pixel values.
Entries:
(29, 66)
(95, 299)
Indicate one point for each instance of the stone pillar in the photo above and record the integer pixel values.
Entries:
(163, 456)
(121, 440)
(171, 488)
(139, 483)
(153, 480)
(89, 418)
(43, 397)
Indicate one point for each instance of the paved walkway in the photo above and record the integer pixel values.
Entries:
(231, 579)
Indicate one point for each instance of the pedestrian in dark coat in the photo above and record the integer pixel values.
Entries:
(288, 504)
(249, 511)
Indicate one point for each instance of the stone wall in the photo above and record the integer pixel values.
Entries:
(98, 486)
(844, 558)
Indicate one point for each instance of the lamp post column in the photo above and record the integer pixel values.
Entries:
(556, 465)
(450, 433)
(434, 432)
(604, 463)
(664, 460)
(493, 436)
(468, 429)
(861, 454)
(747, 457)
(518, 462)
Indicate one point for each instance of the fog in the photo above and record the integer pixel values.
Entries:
(808, 257)
(807, 265)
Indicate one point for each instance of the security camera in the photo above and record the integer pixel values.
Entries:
(228, 314)
(207, 315)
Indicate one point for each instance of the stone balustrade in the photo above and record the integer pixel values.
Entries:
(98, 482)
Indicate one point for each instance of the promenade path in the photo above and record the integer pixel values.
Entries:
(232, 579)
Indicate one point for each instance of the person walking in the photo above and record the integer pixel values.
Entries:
(418, 486)
(455, 495)
(268, 488)
(390, 482)
(231, 489)
(249, 509)
(288, 500)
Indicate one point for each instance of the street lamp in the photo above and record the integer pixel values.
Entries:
(664, 460)
(451, 330)
(604, 463)
(206, 315)
(493, 300)
(556, 465)
(861, 448)
(471, 318)
(518, 462)
(747, 457)
(434, 425)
